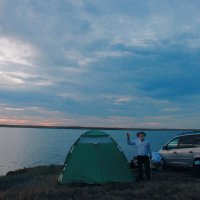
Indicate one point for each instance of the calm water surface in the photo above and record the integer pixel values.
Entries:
(23, 147)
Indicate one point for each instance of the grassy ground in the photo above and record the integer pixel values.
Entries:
(40, 183)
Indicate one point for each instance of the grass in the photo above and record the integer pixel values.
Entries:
(40, 183)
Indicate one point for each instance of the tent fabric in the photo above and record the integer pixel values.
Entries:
(95, 158)
(95, 140)
(95, 133)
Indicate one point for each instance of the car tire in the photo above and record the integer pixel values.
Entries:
(196, 168)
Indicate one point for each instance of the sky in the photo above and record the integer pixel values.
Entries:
(116, 63)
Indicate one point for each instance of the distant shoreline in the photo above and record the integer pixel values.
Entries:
(99, 128)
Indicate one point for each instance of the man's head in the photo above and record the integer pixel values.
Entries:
(141, 135)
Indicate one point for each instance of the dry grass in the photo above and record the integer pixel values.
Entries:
(40, 183)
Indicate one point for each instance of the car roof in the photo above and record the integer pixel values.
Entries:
(188, 134)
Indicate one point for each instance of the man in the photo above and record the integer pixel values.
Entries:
(143, 154)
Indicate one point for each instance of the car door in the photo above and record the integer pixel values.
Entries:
(185, 151)
(169, 152)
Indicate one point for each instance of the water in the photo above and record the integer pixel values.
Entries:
(23, 147)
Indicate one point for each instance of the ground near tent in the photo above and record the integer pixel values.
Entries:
(40, 183)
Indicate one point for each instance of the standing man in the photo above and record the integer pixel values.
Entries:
(143, 154)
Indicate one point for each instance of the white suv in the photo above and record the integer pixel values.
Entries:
(182, 151)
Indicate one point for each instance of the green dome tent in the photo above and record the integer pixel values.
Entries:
(95, 158)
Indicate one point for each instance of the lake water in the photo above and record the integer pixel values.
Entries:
(26, 147)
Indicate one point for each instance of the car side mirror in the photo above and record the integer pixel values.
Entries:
(165, 147)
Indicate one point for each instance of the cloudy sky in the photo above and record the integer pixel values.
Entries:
(125, 63)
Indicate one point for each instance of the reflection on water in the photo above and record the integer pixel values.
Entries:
(22, 147)
(29, 147)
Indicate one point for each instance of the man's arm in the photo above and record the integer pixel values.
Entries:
(129, 140)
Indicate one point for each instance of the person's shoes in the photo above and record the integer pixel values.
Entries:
(140, 179)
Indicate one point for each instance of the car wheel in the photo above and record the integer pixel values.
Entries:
(196, 168)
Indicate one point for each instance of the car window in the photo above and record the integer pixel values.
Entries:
(197, 141)
(186, 142)
(173, 144)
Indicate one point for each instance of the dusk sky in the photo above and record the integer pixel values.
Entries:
(123, 63)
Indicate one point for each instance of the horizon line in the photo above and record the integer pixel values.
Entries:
(94, 127)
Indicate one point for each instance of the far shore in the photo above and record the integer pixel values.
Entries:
(98, 127)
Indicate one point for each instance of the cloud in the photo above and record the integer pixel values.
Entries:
(13, 51)
(133, 63)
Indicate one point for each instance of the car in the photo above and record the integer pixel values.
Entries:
(182, 151)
